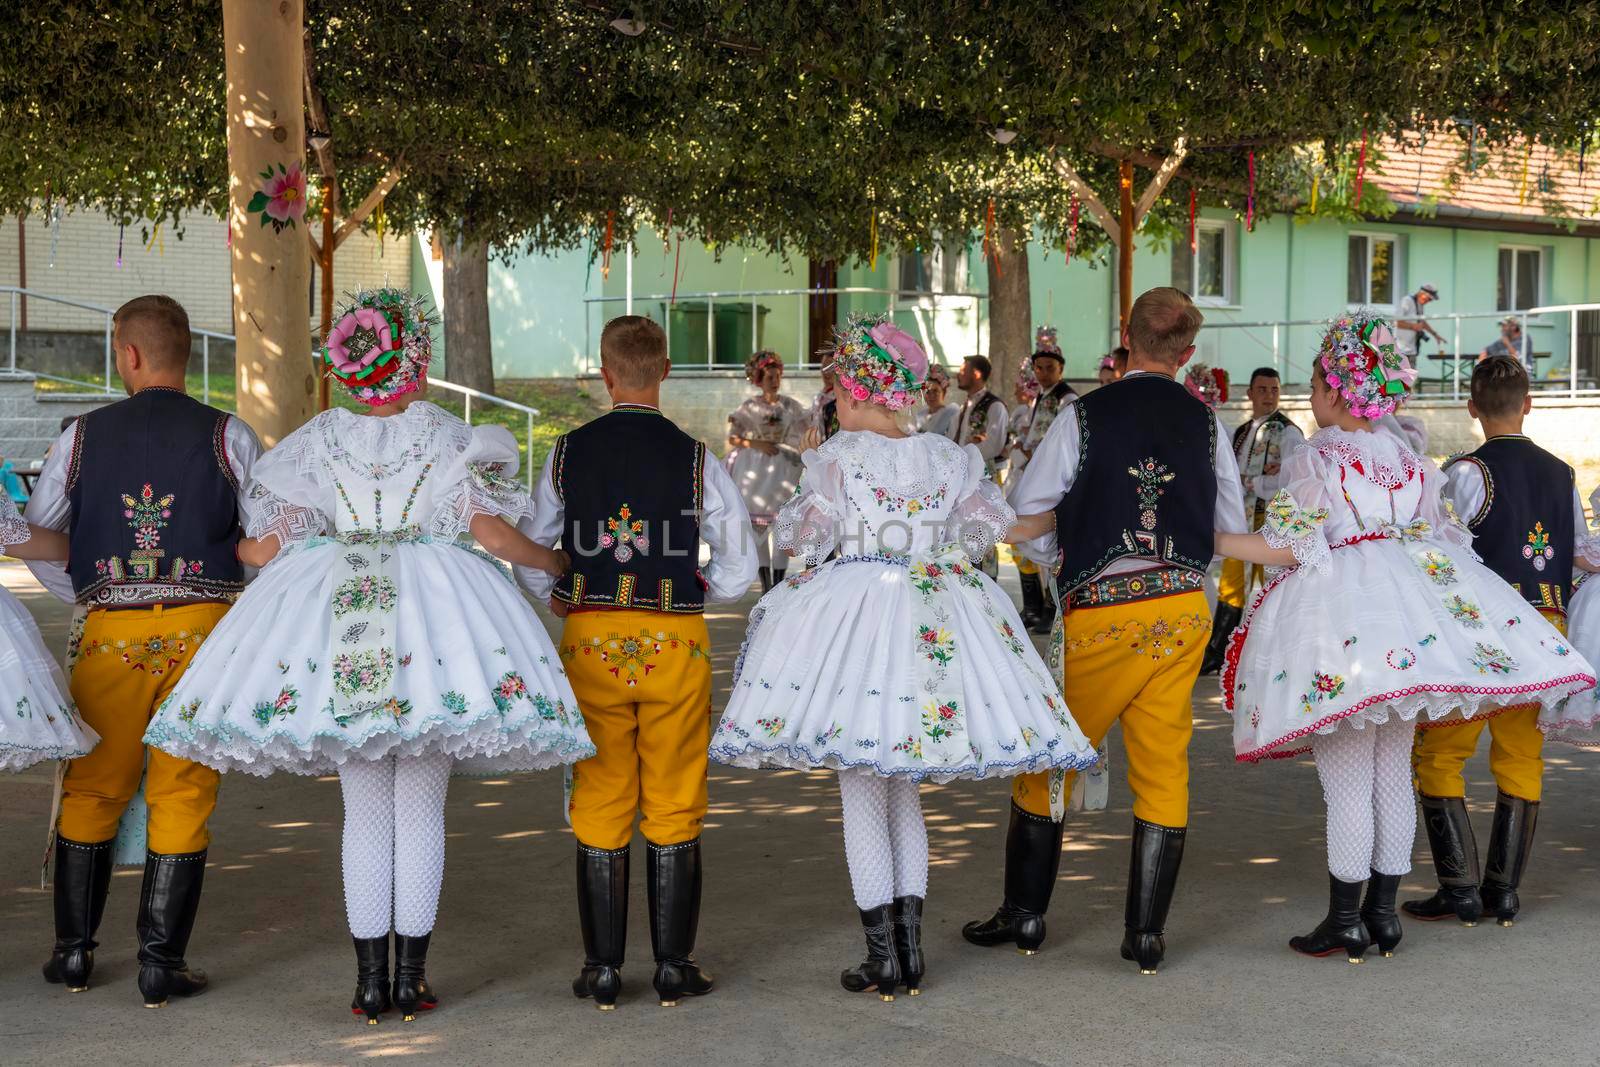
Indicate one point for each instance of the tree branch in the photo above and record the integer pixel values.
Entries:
(1164, 173)
(1107, 221)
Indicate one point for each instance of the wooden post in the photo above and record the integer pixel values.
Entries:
(22, 268)
(264, 61)
(1125, 243)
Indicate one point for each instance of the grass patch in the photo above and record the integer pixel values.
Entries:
(562, 405)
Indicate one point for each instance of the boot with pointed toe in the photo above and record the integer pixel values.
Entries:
(1341, 930)
(674, 878)
(603, 915)
(908, 942)
(411, 990)
(372, 978)
(1378, 914)
(169, 900)
(1033, 859)
(880, 971)
(1510, 842)
(82, 880)
(1032, 599)
(1455, 861)
(1152, 880)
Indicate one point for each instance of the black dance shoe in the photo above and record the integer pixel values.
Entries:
(881, 969)
(1342, 929)
(908, 942)
(1455, 861)
(674, 878)
(1378, 915)
(603, 915)
(372, 978)
(82, 880)
(1033, 859)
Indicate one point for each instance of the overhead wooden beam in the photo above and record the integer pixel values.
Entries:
(371, 201)
(1164, 173)
(1108, 222)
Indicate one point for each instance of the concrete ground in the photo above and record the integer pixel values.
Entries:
(778, 924)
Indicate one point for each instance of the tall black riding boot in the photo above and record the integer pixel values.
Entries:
(603, 914)
(908, 942)
(1152, 877)
(1377, 912)
(372, 978)
(168, 904)
(1227, 617)
(1032, 599)
(881, 969)
(1455, 861)
(1510, 841)
(673, 873)
(411, 990)
(1033, 859)
(83, 877)
(1341, 930)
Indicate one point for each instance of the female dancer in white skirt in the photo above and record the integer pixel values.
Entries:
(765, 435)
(37, 720)
(899, 661)
(1385, 617)
(372, 645)
(1583, 630)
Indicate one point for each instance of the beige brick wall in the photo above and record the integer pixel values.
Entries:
(78, 261)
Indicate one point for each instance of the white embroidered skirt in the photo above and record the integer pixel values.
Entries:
(37, 720)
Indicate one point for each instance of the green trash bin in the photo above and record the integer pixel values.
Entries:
(686, 322)
(735, 333)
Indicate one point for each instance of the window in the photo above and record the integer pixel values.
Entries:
(941, 270)
(1206, 273)
(1521, 279)
(1373, 277)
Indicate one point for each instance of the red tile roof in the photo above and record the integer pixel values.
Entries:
(1423, 173)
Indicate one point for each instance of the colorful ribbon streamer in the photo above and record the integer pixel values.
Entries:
(1316, 185)
(1361, 169)
(120, 230)
(1194, 236)
(874, 263)
(676, 259)
(1522, 187)
(991, 239)
(1250, 198)
(1072, 230)
(605, 248)
(666, 243)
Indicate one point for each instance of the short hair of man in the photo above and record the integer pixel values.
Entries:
(1262, 372)
(158, 327)
(1048, 353)
(980, 364)
(1119, 358)
(1499, 385)
(1163, 323)
(634, 349)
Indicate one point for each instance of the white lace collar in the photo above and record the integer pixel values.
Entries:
(905, 464)
(1376, 456)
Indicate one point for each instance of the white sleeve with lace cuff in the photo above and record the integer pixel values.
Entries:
(1290, 526)
(981, 517)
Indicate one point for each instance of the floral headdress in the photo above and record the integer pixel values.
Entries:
(1207, 384)
(1044, 340)
(1027, 381)
(757, 364)
(1358, 357)
(876, 361)
(938, 375)
(380, 344)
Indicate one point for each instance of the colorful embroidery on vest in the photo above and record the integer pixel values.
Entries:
(1150, 476)
(1538, 547)
(623, 532)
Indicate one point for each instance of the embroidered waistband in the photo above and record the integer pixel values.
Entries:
(403, 535)
(111, 595)
(1128, 588)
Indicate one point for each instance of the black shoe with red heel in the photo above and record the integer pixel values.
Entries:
(372, 978)
(1342, 930)
(411, 990)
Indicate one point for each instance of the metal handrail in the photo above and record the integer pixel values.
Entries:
(16, 293)
(1455, 318)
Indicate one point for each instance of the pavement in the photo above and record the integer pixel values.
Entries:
(778, 924)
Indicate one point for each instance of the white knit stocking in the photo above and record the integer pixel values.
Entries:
(1366, 783)
(908, 834)
(867, 847)
(393, 843)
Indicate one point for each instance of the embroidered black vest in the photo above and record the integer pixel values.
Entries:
(154, 504)
(830, 418)
(1146, 483)
(1277, 418)
(1523, 531)
(631, 484)
(975, 419)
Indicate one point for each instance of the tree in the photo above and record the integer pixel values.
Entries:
(469, 360)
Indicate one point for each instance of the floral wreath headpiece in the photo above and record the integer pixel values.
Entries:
(1045, 343)
(760, 361)
(1359, 358)
(1027, 381)
(1207, 384)
(875, 361)
(380, 344)
(938, 375)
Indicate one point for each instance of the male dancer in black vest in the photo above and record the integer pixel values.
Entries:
(1525, 515)
(631, 497)
(1139, 474)
(148, 490)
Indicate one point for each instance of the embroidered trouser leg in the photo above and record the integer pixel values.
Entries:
(128, 661)
(885, 839)
(1138, 663)
(1372, 819)
(1516, 750)
(643, 681)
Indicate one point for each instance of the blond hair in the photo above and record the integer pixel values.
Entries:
(1163, 323)
(634, 349)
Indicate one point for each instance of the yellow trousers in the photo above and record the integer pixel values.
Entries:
(1515, 750)
(1232, 589)
(128, 661)
(1138, 663)
(643, 680)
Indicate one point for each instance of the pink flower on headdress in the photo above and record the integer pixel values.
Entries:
(903, 347)
(339, 353)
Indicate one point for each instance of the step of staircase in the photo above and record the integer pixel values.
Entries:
(30, 421)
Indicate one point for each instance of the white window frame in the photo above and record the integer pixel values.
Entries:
(1230, 263)
(1541, 296)
(1400, 290)
(924, 298)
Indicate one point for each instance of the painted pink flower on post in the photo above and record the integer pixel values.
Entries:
(281, 199)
